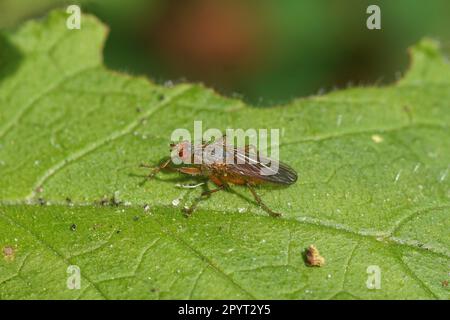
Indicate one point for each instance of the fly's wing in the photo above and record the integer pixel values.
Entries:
(248, 164)
(262, 168)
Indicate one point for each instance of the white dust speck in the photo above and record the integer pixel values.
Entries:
(397, 176)
(263, 241)
(189, 186)
(329, 276)
(37, 162)
(127, 203)
(241, 210)
(377, 138)
(175, 202)
(230, 250)
(416, 167)
(443, 175)
(146, 207)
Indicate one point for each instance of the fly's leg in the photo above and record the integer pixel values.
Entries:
(155, 170)
(220, 186)
(261, 203)
(208, 193)
(193, 171)
(188, 211)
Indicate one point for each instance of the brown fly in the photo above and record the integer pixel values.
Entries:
(212, 160)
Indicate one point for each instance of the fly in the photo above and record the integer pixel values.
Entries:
(246, 168)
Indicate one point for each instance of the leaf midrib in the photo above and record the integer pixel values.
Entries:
(388, 242)
(386, 237)
(99, 143)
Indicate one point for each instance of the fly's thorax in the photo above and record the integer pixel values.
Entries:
(213, 153)
(221, 154)
(197, 154)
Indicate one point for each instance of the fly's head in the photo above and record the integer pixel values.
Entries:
(181, 152)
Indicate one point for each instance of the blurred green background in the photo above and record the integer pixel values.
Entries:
(265, 51)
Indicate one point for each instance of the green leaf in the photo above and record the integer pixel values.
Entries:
(373, 187)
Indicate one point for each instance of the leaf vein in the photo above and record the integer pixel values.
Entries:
(97, 144)
(51, 249)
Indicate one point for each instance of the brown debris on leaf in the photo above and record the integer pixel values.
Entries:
(313, 257)
(9, 253)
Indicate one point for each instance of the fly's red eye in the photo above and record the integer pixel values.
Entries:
(180, 153)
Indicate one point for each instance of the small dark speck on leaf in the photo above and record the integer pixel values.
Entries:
(138, 109)
(41, 201)
(161, 97)
(96, 226)
(118, 231)
(73, 227)
(113, 202)
(408, 112)
(135, 218)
